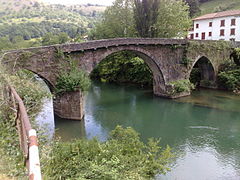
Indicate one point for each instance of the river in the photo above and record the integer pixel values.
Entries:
(202, 129)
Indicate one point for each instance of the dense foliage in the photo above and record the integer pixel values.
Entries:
(194, 7)
(23, 23)
(11, 161)
(123, 67)
(117, 21)
(236, 56)
(145, 15)
(229, 77)
(173, 19)
(128, 18)
(122, 156)
(181, 86)
(72, 79)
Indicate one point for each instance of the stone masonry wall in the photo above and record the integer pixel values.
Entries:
(163, 56)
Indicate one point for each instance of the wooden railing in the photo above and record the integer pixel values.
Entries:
(27, 137)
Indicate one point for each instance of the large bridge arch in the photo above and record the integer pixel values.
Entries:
(158, 76)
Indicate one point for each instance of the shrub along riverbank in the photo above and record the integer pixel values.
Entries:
(12, 163)
(229, 77)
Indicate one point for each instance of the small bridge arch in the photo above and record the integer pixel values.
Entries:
(205, 69)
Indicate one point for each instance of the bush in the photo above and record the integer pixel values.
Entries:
(229, 80)
(181, 86)
(11, 158)
(236, 56)
(73, 80)
(122, 156)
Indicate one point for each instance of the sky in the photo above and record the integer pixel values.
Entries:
(100, 2)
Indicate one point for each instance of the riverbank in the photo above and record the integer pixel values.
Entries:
(12, 160)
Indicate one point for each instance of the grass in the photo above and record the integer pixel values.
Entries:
(219, 5)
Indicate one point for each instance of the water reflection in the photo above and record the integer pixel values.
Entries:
(69, 129)
(203, 129)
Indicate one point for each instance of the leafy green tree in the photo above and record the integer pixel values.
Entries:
(117, 21)
(154, 18)
(173, 19)
(194, 8)
(145, 15)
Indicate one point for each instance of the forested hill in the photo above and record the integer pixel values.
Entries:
(219, 5)
(28, 21)
(200, 7)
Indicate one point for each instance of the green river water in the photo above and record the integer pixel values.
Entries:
(202, 129)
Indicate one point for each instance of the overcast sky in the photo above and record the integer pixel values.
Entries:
(100, 2)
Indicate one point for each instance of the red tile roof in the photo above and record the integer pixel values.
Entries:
(218, 14)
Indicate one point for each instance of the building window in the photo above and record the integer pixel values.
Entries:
(197, 25)
(232, 32)
(222, 32)
(210, 24)
(222, 23)
(233, 22)
(196, 34)
(191, 36)
(210, 34)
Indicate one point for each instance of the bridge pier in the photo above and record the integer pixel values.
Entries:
(69, 105)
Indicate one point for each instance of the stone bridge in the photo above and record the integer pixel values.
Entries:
(170, 60)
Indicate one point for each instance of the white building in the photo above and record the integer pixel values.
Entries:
(217, 26)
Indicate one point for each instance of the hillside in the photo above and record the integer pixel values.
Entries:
(16, 5)
(32, 19)
(219, 5)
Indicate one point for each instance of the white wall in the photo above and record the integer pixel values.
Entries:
(215, 29)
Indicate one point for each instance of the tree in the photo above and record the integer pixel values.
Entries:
(173, 19)
(193, 7)
(117, 21)
(146, 18)
(145, 15)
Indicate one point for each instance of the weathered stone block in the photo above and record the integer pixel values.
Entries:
(69, 105)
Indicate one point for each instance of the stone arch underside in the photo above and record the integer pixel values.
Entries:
(46, 80)
(206, 71)
(159, 85)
